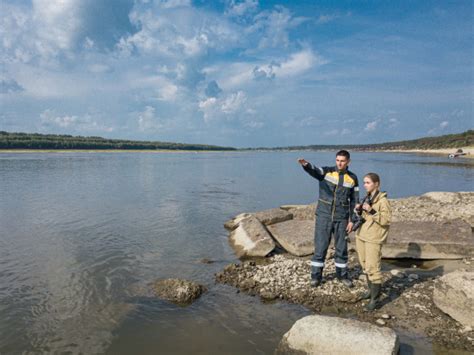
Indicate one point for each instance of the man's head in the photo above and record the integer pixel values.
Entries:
(342, 159)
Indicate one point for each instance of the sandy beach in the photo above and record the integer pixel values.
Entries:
(445, 151)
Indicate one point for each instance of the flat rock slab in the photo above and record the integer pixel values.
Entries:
(331, 335)
(295, 236)
(429, 240)
(454, 295)
(251, 238)
(272, 216)
(301, 212)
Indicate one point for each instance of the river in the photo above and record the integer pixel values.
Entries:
(77, 230)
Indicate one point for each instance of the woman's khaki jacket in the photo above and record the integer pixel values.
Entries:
(377, 221)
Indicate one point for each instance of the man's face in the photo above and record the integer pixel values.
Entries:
(342, 162)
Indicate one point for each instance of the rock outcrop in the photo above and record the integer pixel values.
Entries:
(436, 225)
(331, 335)
(450, 239)
(181, 292)
(454, 295)
(301, 212)
(251, 238)
(272, 216)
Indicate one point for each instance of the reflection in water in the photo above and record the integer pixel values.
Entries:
(78, 229)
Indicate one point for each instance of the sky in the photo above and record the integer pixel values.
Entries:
(237, 73)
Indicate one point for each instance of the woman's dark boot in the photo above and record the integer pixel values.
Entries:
(374, 296)
(366, 295)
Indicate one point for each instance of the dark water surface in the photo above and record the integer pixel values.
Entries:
(78, 229)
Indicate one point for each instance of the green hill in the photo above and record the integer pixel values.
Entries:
(457, 140)
(54, 141)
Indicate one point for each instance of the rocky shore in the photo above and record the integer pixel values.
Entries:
(423, 303)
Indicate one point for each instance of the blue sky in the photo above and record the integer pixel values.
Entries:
(237, 73)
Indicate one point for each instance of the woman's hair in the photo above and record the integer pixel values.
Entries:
(374, 177)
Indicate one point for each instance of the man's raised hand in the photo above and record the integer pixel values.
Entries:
(302, 161)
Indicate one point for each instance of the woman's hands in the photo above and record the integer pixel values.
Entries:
(366, 207)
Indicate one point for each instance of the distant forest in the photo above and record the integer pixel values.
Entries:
(457, 140)
(54, 141)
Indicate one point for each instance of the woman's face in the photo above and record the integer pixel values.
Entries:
(369, 185)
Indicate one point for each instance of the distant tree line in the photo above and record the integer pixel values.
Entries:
(457, 140)
(55, 141)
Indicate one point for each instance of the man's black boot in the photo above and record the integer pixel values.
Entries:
(316, 276)
(374, 296)
(343, 276)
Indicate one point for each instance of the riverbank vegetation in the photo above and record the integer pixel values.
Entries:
(457, 140)
(38, 141)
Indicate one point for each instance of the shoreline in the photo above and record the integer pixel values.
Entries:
(436, 152)
(442, 151)
(58, 151)
(417, 266)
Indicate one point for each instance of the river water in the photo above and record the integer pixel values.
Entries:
(77, 230)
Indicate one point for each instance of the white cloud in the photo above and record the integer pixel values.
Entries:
(236, 8)
(162, 88)
(242, 73)
(227, 108)
(179, 32)
(444, 124)
(147, 120)
(371, 126)
(273, 27)
(49, 119)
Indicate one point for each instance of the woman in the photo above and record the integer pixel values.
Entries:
(375, 210)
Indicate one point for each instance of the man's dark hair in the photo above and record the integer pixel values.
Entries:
(343, 153)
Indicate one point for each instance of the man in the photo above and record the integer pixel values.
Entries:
(338, 195)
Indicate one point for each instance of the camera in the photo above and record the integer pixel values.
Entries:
(359, 219)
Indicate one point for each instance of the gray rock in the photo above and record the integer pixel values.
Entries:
(331, 335)
(181, 292)
(380, 322)
(251, 238)
(272, 216)
(429, 240)
(295, 236)
(233, 223)
(301, 212)
(454, 295)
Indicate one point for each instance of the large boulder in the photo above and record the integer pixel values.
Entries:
(429, 240)
(331, 335)
(251, 238)
(181, 292)
(267, 217)
(454, 295)
(301, 212)
(273, 215)
(295, 236)
(233, 223)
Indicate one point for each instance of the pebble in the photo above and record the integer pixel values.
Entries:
(380, 322)
(386, 316)
(413, 277)
(395, 272)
